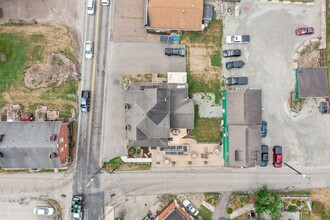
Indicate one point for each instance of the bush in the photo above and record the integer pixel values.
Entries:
(292, 208)
(229, 211)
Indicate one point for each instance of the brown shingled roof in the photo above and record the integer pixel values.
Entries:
(176, 14)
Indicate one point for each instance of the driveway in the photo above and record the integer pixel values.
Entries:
(268, 64)
(129, 58)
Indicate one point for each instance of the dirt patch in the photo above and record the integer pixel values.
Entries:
(323, 196)
(199, 59)
(57, 70)
(310, 56)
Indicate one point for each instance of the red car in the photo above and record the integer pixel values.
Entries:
(277, 156)
(304, 31)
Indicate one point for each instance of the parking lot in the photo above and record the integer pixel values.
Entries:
(268, 65)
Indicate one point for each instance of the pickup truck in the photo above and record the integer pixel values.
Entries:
(175, 51)
(238, 39)
(230, 81)
(85, 101)
(77, 207)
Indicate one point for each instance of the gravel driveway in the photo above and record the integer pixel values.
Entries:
(268, 64)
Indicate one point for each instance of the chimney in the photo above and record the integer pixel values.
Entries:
(53, 137)
(182, 11)
(127, 127)
(53, 155)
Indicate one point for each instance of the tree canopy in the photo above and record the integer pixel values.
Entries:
(268, 202)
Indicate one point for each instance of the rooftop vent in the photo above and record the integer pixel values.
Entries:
(127, 106)
(127, 127)
(53, 137)
(53, 155)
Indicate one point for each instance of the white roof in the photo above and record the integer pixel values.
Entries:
(177, 77)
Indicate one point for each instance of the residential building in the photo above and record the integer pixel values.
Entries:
(183, 15)
(173, 211)
(27, 145)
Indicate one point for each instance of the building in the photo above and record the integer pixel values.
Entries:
(312, 82)
(28, 145)
(183, 15)
(173, 212)
(243, 116)
(152, 110)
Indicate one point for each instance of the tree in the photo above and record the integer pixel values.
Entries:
(267, 202)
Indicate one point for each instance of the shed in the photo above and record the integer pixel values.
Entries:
(312, 82)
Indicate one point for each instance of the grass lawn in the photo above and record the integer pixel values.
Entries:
(22, 50)
(117, 163)
(204, 213)
(206, 129)
(211, 40)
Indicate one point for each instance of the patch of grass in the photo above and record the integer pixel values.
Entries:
(229, 211)
(36, 38)
(68, 53)
(216, 59)
(206, 129)
(204, 213)
(119, 164)
(36, 53)
(67, 91)
(65, 112)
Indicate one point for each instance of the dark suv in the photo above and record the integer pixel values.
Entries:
(264, 156)
(231, 53)
(263, 129)
(234, 64)
(175, 51)
(242, 80)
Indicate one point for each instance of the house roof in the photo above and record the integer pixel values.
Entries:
(173, 212)
(176, 15)
(313, 82)
(28, 144)
(154, 110)
(244, 145)
(244, 107)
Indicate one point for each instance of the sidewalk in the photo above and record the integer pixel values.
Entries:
(246, 209)
(220, 211)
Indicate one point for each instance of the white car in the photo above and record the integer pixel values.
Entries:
(105, 2)
(191, 208)
(89, 49)
(44, 210)
(90, 7)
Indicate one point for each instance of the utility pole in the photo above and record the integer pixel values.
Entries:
(92, 178)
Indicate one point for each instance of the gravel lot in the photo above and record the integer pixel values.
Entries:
(268, 64)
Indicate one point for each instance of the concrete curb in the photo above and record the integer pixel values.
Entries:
(135, 160)
(288, 2)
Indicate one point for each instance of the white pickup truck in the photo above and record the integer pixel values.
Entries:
(238, 39)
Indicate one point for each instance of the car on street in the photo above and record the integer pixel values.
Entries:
(242, 80)
(234, 64)
(89, 49)
(304, 31)
(44, 210)
(263, 129)
(175, 51)
(85, 100)
(231, 53)
(238, 39)
(264, 156)
(90, 7)
(277, 153)
(105, 2)
(190, 207)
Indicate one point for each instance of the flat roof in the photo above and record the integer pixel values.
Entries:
(313, 82)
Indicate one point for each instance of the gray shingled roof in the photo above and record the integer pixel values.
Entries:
(28, 145)
(244, 107)
(313, 82)
(154, 109)
(244, 143)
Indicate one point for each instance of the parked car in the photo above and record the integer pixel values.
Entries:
(231, 53)
(89, 49)
(44, 210)
(238, 39)
(263, 129)
(85, 100)
(264, 156)
(175, 51)
(105, 2)
(90, 7)
(304, 31)
(277, 152)
(234, 64)
(190, 207)
(230, 81)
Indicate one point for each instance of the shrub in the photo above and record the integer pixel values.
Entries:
(292, 208)
(229, 210)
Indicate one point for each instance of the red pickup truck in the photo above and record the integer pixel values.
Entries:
(277, 156)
